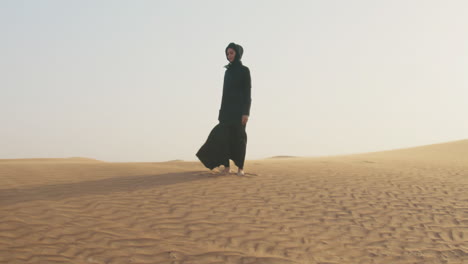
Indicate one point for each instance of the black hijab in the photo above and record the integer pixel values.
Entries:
(239, 52)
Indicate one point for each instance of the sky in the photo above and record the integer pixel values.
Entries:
(141, 81)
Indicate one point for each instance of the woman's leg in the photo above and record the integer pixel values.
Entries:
(226, 167)
(238, 144)
(227, 149)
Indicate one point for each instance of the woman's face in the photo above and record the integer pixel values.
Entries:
(231, 54)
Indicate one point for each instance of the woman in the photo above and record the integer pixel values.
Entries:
(228, 140)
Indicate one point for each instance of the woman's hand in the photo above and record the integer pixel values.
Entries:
(245, 118)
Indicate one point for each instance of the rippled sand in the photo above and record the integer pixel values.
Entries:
(402, 206)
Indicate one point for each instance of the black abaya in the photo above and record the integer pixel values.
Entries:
(225, 142)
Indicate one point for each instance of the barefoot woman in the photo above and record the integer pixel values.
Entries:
(235, 106)
(228, 140)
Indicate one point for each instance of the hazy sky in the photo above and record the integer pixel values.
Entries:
(142, 80)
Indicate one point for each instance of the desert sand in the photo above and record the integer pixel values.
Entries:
(399, 206)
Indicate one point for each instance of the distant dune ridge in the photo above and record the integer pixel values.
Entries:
(399, 206)
(53, 160)
(452, 151)
(283, 157)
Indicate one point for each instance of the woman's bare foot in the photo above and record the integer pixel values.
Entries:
(227, 170)
(240, 172)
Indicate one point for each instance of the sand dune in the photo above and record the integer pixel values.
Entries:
(50, 160)
(400, 206)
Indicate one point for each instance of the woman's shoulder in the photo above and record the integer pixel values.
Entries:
(245, 68)
(238, 68)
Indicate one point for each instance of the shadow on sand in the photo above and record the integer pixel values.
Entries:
(98, 187)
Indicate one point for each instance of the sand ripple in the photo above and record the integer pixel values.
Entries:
(329, 210)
